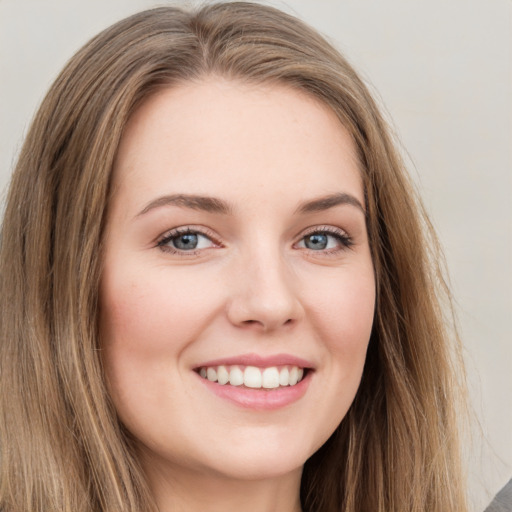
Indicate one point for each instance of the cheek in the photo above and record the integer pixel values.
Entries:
(341, 312)
(344, 312)
(146, 321)
(149, 313)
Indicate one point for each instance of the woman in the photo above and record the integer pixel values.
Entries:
(219, 289)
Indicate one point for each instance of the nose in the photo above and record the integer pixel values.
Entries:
(264, 294)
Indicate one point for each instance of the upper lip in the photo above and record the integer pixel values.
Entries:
(259, 361)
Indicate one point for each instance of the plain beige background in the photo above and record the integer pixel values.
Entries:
(443, 71)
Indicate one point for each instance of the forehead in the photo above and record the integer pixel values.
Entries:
(230, 139)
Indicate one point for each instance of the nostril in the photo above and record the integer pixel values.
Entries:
(265, 311)
(266, 325)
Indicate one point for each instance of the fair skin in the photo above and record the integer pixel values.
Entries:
(236, 238)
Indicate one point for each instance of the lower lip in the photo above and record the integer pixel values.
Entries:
(260, 399)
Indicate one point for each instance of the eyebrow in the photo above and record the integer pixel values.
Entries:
(216, 205)
(330, 201)
(194, 202)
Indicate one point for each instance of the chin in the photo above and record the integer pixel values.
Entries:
(267, 457)
(268, 467)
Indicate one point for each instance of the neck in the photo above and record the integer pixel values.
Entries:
(194, 491)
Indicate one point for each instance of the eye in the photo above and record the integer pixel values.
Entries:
(330, 240)
(185, 240)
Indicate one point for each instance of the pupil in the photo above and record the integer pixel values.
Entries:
(316, 241)
(188, 241)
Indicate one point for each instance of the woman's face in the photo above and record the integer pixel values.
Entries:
(236, 261)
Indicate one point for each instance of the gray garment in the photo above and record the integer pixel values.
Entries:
(503, 500)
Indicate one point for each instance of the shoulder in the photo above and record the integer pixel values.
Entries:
(503, 500)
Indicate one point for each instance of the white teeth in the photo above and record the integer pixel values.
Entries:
(284, 377)
(222, 375)
(253, 377)
(211, 374)
(236, 376)
(270, 378)
(294, 376)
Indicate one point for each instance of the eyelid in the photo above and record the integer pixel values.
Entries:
(342, 236)
(344, 239)
(183, 230)
(324, 228)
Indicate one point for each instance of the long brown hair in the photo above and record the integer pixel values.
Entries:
(62, 448)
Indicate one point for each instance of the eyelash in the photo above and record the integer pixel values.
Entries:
(189, 230)
(344, 240)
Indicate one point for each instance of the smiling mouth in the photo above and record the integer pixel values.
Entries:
(253, 377)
